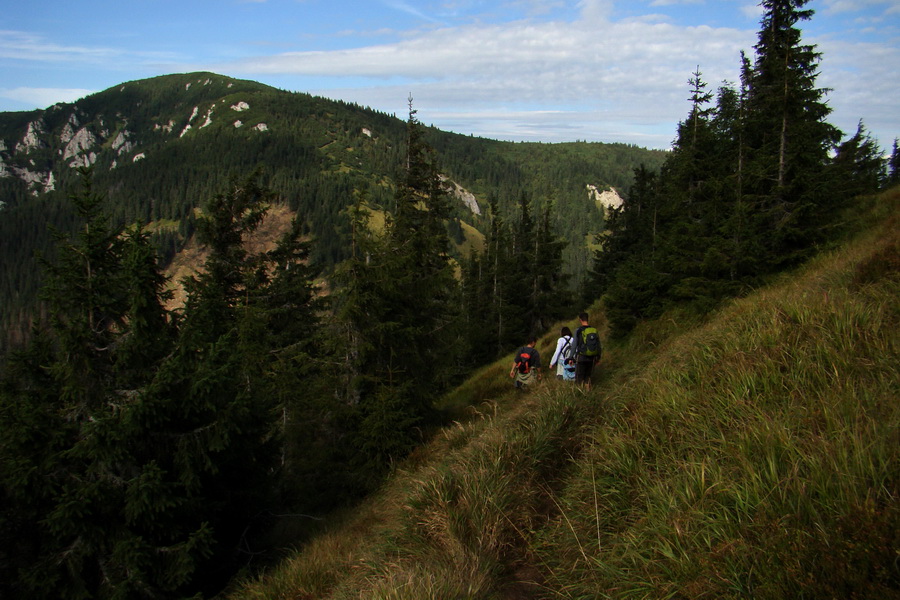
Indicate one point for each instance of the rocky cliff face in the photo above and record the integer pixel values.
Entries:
(39, 152)
(70, 136)
(606, 198)
(463, 195)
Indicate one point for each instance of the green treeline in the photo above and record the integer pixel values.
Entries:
(755, 183)
(164, 145)
(142, 446)
(516, 285)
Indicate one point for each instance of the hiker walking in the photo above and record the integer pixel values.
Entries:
(526, 368)
(587, 351)
(564, 358)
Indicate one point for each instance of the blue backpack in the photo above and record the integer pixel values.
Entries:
(569, 371)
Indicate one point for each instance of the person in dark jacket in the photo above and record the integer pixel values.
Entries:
(585, 357)
(526, 368)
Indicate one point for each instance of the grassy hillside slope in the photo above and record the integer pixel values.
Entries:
(754, 455)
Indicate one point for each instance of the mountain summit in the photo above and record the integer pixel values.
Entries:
(159, 147)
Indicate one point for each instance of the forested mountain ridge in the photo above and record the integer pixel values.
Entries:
(159, 147)
(146, 449)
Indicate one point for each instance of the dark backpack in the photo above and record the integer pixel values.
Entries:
(524, 361)
(589, 342)
(567, 353)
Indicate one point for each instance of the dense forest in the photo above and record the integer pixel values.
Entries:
(141, 445)
(160, 147)
(754, 185)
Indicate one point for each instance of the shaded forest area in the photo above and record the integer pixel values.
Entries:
(140, 446)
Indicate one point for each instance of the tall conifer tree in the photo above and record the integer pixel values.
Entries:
(399, 298)
(894, 165)
(85, 489)
(162, 443)
(492, 308)
(858, 166)
(691, 205)
(552, 298)
(748, 190)
(788, 137)
(626, 269)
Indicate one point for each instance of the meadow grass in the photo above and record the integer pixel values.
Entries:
(754, 455)
(758, 455)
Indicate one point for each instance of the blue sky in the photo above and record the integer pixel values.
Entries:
(525, 70)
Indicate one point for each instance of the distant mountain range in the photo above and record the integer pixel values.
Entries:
(160, 147)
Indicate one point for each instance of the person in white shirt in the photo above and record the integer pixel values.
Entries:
(563, 359)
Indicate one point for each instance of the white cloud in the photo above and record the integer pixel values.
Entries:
(32, 48)
(550, 60)
(595, 12)
(752, 11)
(864, 85)
(18, 45)
(842, 6)
(580, 75)
(43, 97)
(585, 68)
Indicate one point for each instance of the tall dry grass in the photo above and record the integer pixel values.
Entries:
(755, 456)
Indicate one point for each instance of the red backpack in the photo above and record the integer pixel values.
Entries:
(524, 361)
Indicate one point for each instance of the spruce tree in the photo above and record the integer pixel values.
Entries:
(399, 305)
(735, 228)
(626, 268)
(500, 284)
(136, 447)
(551, 295)
(215, 422)
(73, 471)
(631, 230)
(489, 306)
(690, 216)
(857, 167)
(149, 329)
(637, 284)
(522, 302)
(86, 297)
(748, 190)
(788, 138)
(474, 310)
(520, 273)
(34, 435)
(894, 166)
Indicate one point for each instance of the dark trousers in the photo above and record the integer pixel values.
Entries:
(583, 370)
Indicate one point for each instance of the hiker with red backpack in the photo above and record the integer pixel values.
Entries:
(587, 351)
(526, 368)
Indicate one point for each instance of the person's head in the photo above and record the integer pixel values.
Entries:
(532, 340)
(584, 318)
(566, 332)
